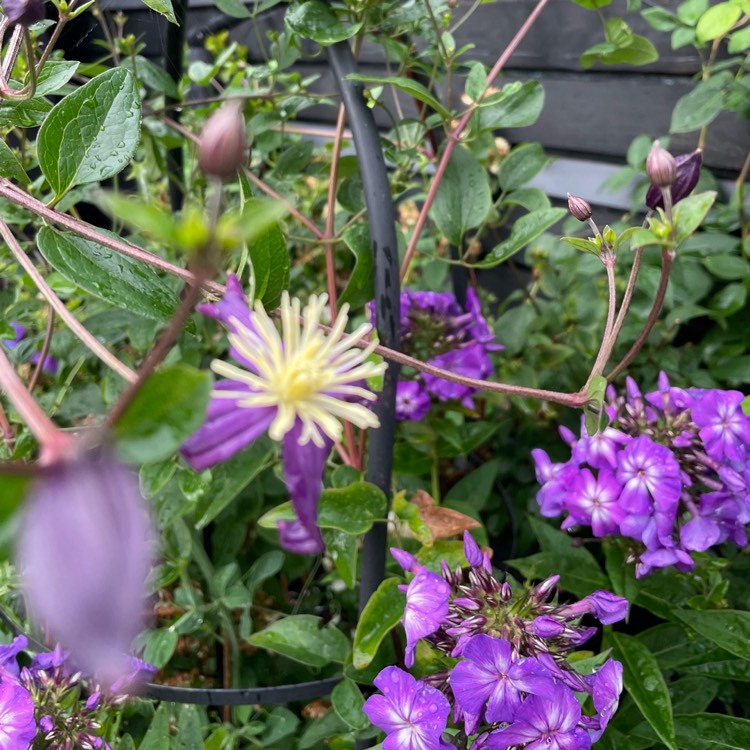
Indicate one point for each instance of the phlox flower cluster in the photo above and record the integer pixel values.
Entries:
(671, 472)
(42, 703)
(437, 330)
(511, 685)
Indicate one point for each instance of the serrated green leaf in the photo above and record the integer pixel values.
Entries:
(381, 614)
(107, 274)
(463, 197)
(92, 133)
(645, 684)
(167, 410)
(315, 20)
(301, 637)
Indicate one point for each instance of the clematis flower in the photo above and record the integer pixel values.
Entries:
(17, 724)
(85, 552)
(412, 714)
(297, 386)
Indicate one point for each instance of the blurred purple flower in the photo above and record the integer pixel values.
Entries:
(412, 714)
(296, 386)
(50, 365)
(9, 654)
(545, 723)
(85, 552)
(17, 724)
(426, 609)
(492, 674)
(23, 12)
(470, 360)
(687, 174)
(138, 674)
(412, 401)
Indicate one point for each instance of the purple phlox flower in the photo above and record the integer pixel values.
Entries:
(605, 606)
(412, 714)
(594, 501)
(686, 178)
(426, 609)
(569, 437)
(492, 673)
(607, 686)
(412, 401)
(601, 449)
(729, 512)
(479, 329)
(648, 470)
(547, 722)
(568, 677)
(470, 360)
(474, 555)
(85, 527)
(50, 365)
(700, 533)
(51, 661)
(406, 560)
(724, 427)
(17, 724)
(297, 385)
(9, 654)
(140, 672)
(555, 480)
(663, 558)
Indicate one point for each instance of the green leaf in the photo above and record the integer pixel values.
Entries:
(449, 551)
(281, 723)
(381, 614)
(301, 637)
(463, 198)
(320, 731)
(157, 737)
(717, 21)
(729, 300)
(164, 7)
(167, 410)
(579, 571)
(409, 86)
(231, 477)
(10, 167)
(522, 164)
(690, 212)
(645, 684)
(585, 246)
(12, 489)
(189, 732)
(26, 113)
(639, 52)
(690, 11)
(55, 74)
(92, 133)
(315, 20)
(342, 549)
(271, 264)
(592, 4)
(347, 702)
(160, 645)
(476, 81)
(727, 669)
(359, 289)
(525, 230)
(517, 105)
(699, 108)
(727, 267)
(107, 274)
(727, 628)
(661, 19)
(530, 198)
(712, 732)
(739, 41)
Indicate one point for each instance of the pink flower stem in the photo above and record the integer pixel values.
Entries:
(454, 136)
(607, 341)
(45, 349)
(58, 305)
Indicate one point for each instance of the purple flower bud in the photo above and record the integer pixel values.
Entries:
(579, 207)
(548, 627)
(688, 172)
(506, 592)
(23, 12)
(661, 166)
(221, 148)
(471, 551)
(46, 724)
(84, 553)
(404, 559)
(93, 701)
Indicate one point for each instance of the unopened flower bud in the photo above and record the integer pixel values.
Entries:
(23, 12)
(84, 553)
(579, 207)
(688, 172)
(221, 148)
(661, 166)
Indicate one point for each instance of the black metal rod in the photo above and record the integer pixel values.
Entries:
(174, 56)
(381, 215)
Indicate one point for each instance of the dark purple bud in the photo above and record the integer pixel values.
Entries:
(23, 12)
(688, 172)
(221, 148)
(84, 552)
(579, 207)
(505, 592)
(661, 166)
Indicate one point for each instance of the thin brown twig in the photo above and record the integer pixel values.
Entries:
(89, 341)
(45, 349)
